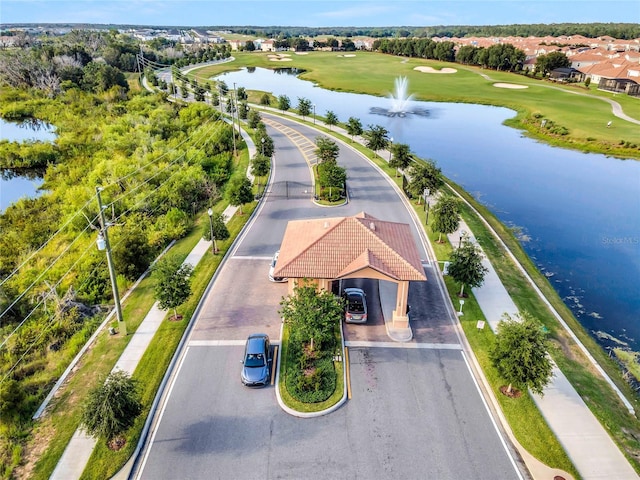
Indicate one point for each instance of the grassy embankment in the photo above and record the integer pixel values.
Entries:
(585, 118)
(57, 427)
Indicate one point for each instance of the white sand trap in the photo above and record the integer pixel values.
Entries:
(509, 85)
(302, 53)
(281, 60)
(433, 70)
(349, 55)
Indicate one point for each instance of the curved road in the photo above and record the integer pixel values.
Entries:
(415, 411)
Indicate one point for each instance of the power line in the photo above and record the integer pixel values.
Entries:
(42, 274)
(46, 242)
(42, 300)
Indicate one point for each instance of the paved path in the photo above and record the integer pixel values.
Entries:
(589, 446)
(616, 108)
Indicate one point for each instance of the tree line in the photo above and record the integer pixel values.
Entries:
(623, 31)
(496, 57)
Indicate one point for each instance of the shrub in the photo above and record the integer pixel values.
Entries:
(315, 383)
(112, 407)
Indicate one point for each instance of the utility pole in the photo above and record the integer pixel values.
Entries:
(103, 244)
(234, 109)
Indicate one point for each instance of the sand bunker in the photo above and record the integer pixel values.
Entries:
(302, 53)
(509, 85)
(433, 70)
(279, 57)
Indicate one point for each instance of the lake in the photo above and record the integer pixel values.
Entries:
(14, 188)
(579, 214)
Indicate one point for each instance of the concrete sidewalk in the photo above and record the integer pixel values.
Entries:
(76, 455)
(589, 446)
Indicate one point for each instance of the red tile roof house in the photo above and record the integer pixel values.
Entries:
(618, 76)
(321, 251)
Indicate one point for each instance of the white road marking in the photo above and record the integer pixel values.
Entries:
(433, 346)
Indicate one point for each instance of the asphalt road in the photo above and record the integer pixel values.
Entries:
(415, 410)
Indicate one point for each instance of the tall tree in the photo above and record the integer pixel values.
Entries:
(466, 266)
(304, 106)
(354, 127)
(520, 353)
(241, 94)
(312, 315)
(400, 156)
(253, 118)
(331, 119)
(327, 150)
(284, 103)
(260, 165)
(173, 283)
(376, 138)
(265, 99)
(424, 175)
(551, 61)
(239, 191)
(446, 216)
(220, 230)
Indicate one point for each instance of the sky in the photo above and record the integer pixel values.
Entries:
(311, 13)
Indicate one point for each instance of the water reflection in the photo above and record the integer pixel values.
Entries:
(18, 183)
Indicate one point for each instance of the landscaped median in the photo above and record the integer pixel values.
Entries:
(288, 362)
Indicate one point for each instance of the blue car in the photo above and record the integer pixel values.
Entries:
(256, 362)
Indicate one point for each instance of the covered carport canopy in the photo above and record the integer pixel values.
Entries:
(328, 249)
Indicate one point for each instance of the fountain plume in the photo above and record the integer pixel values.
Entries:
(401, 105)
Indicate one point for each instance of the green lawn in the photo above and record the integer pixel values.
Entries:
(584, 117)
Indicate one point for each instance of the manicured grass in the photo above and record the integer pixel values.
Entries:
(373, 73)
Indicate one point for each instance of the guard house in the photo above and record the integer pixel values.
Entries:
(326, 250)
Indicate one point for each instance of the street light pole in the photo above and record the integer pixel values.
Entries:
(103, 244)
(314, 113)
(262, 141)
(214, 247)
(463, 234)
(390, 145)
(426, 205)
(234, 107)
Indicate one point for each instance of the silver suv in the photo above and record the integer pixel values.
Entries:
(256, 361)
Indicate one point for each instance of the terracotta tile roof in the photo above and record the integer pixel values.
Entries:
(336, 247)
